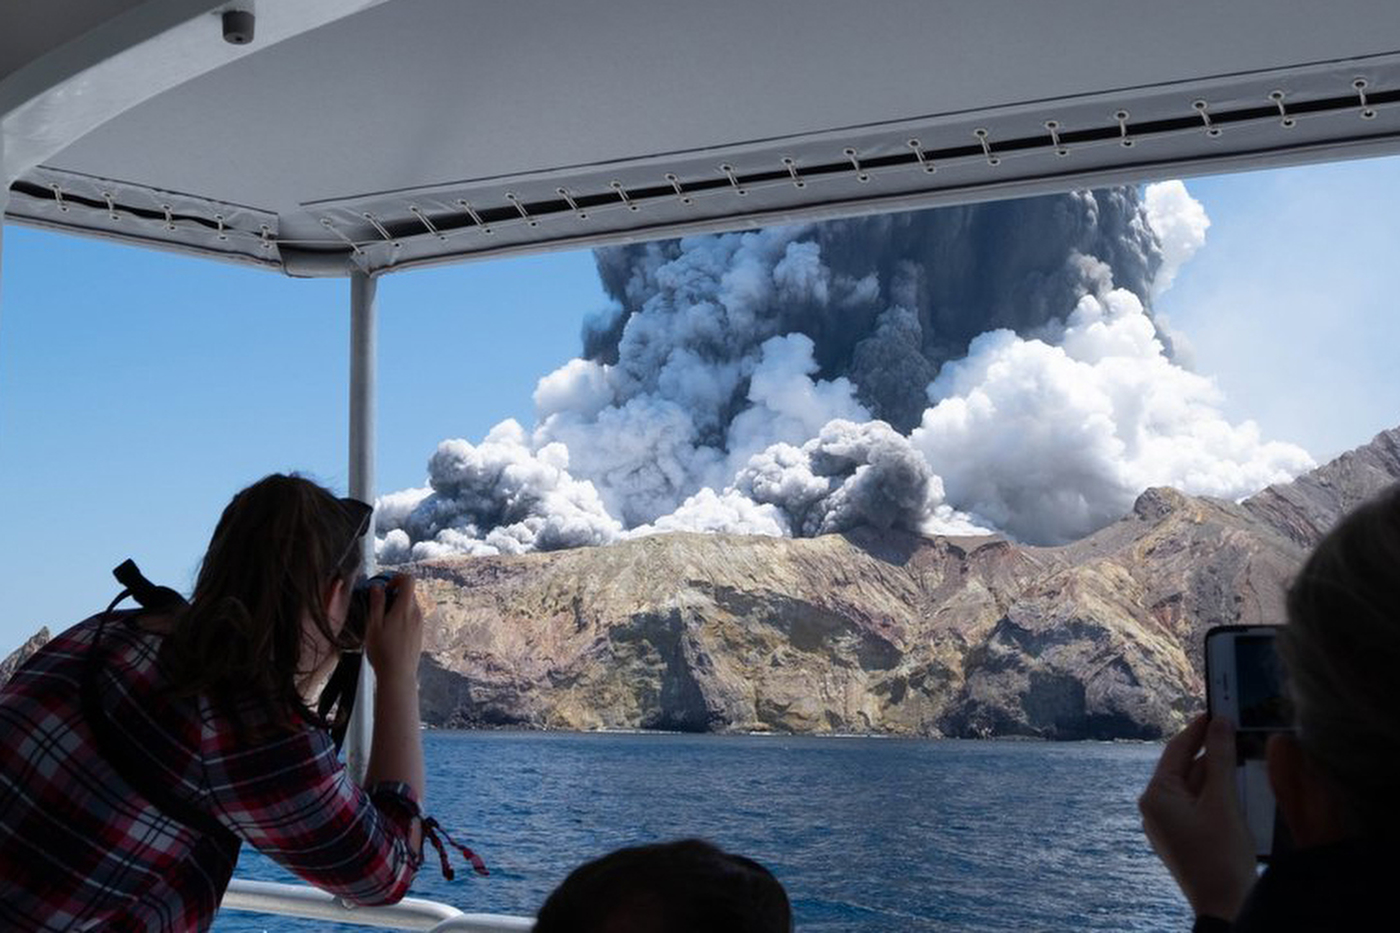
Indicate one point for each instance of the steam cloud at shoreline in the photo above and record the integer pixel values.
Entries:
(991, 367)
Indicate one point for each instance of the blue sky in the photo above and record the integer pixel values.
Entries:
(139, 390)
(1292, 304)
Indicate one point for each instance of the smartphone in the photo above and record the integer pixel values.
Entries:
(1244, 683)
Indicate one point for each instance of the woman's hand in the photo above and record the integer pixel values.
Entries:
(394, 639)
(393, 642)
(1193, 820)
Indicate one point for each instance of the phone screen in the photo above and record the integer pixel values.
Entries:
(1259, 684)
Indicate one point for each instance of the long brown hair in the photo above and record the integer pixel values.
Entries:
(277, 548)
(1341, 648)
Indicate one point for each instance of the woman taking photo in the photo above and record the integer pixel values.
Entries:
(139, 748)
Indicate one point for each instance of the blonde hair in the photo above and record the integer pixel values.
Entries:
(1342, 651)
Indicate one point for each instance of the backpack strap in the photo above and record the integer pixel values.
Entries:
(122, 756)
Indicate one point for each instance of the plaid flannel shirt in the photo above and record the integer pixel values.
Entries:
(81, 849)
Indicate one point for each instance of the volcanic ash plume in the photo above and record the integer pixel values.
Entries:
(497, 497)
(992, 366)
(848, 475)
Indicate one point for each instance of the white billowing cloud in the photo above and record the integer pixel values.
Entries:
(393, 547)
(851, 474)
(650, 431)
(643, 456)
(1049, 443)
(392, 509)
(579, 386)
(788, 405)
(731, 512)
(392, 544)
(498, 497)
(1180, 223)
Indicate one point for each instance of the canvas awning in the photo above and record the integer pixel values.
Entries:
(357, 137)
(375, 136)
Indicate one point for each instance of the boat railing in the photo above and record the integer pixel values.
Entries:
(411, 913)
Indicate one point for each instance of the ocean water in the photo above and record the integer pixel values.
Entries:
(866, 834)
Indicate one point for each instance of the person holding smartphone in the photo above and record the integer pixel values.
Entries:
(1335, 775)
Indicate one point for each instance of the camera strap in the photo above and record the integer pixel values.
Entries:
(339, 695)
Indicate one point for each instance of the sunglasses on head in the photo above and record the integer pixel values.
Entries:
(359, 515)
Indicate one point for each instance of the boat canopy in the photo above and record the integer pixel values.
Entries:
(366, 136)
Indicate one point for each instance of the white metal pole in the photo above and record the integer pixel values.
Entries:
(4, 202)
(364, 310)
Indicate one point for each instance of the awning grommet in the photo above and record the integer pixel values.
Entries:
(1367, 111)
(58, 196)
(1054, 127)
(267, 236)
(423, 219)
(1284, 120)
(790, 164)
(862, 175)
(111, 205)
(1203, 109)
(982, 137)
(1124, 139)
(622, 193)
(475, 217)
(728, 171)
(381, 230)
(325, 222)
(924, 162)
(676, 184)
(520, 209)
(573, 205)
(219, 219)
(169, 217)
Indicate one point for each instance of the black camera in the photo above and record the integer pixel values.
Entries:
(357, 617)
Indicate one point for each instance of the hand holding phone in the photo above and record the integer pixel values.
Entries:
(1193, 822)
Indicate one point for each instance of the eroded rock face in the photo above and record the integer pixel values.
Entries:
(1111, 646)
(860, 633)
(22, 653)
(864, 632)
(1305, 508)
(877, 631)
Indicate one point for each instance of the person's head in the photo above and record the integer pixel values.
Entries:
(1341, 648)
(271, 595)
(688, 886)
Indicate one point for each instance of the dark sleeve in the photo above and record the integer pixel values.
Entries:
(1208, 924)
(293, 799)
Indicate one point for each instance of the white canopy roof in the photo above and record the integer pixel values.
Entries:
(380, 135)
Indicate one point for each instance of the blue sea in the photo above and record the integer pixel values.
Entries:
(866, 834)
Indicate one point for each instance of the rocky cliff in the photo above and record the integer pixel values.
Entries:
(21, 654)
(863, 632)
(1305, 508)
(877, 631)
